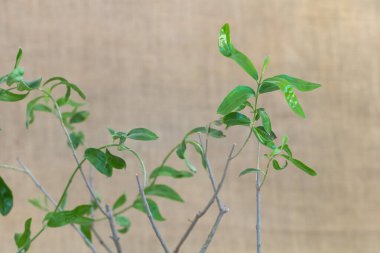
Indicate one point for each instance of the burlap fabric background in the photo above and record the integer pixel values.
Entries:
(156, 64)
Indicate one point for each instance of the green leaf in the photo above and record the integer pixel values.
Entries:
(116, 135)
(277, 166)
(6, 198)
(86, 230)
(191, 167)
(236, 119)
(23, 240)
(267, 86)
(265, 120)
(224, 41)
(291, 99)
(18, 58)
(123, 222)
(235, 98)
(79, 117)
(199, 150)
(181, 149)
(249, 170)
(15, 76)
(37, 203)
(8, 96)
(263, 137)
(170, 172)
(99, 160)
(299, 84)
(75, 216)
(206, 130)
(115, 161)
(3, 79)
(77, 139)
(245, 63)
(120, 201)
(77, 90)
(139, 205)
(265, 65)
(164, 191)
(302, 166)
(287, 150)
(30, 108)
(63, 203)
(142, 134)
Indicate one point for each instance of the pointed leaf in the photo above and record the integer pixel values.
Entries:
(266, 121)
(236, 119)
(249, 170)
(142, 134)
(235, 98)
(123, 222)
(277, 166)
(139, 205)
(164, 191)
(99, 160)
(300, 84)
(18, 58)
(86, 230)
(120, 201)
(303, 166)
(8, 96)
(170, 172)
(6, 198)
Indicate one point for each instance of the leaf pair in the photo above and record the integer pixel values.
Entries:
(104, 162)
(139, 134)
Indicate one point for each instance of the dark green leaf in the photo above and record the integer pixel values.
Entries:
(235, 98)
(277, 166)
(302, 166)
(236, 119)
(77, 138)
(86, 230)
(120, 201)
(266, 121)
(76, 216)
(18, 58)
(249, 170)
(181, 149)
(206, 130)
(139, 205)
(163, 191)
(79, 117)
(142, 134)
(115, 161)
(170, 172)
(99, 160)
(23, 240)
(6, 198)
(263, 137)
(8, 96)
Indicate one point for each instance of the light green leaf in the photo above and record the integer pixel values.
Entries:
(191, 167)
(18, 58)
(142, 134)
(124, 222)
(23, 240)
(299, 84)
(163, 191)
(37, 203)
(265, 120)
(302, 166)
(170, 172)
(6, 198)
(8, 96)
(139, 205)
(236, 119)
(99, 160)
(235, 98)
(224, 41)
(120, 201)
(249, 170)
(3, 79)
(75, 216)
(291, 99)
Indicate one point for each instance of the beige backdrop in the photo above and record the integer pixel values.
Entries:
(155, 64)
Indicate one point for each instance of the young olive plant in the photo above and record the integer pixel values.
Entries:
(82, 218)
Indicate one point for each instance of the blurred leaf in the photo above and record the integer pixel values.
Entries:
(163, 191)
(299, 84)
(32, 85)
(170, 172)
(206, 130)
(8, 96)
(116, 135)
(265, 65)
(120, 201)
(99, 160)
(3, 79)
(139, 205)
(224, 41)
(115, 161)
(267, 86)
(123, 222)
(76, 216)
(277, 166)
(263, 137)
(6, 198)
(86, 230)
(236, 119)
(265, 120)
(15, 76)
(18, 58)
(77, 138)
(199, 150)
(235, 98)
(191, 167)
(142, 134)
(37, 203)
(249, 170)
(79, 117)
(23, 240)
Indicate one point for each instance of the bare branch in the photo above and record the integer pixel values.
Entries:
(258, 202)
(26, 170)
(115, 238)
(155, 228)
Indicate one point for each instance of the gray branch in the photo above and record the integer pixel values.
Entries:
(115, 238)
(155, 228)
(258, 202)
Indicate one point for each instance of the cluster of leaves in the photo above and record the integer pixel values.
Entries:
(243, 96)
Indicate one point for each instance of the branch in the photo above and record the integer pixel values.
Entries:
(26, 170)
(155, 228)
(115, 238)
(258, 200)
(200, 214)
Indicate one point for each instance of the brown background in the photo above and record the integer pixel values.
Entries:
(156, 64)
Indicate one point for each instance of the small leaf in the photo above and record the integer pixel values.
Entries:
(15, 76)
(300, 84)
(170, 172)
(302, 166)
(139, 205)
(236, 119)
(123, 222)
(181, 149)
(99, 160)
(142, 134)
(115, 161)
(18, 58)
(191, 167)
(224, 41)
(266, 121)
(206, 130)
(277, 166)
(265, 65)
(86, 230)
(120, 201)
(235, 98)
(8, 96)
(163, 191)
(77, 139)
(75, 216)
(116, 135)
(36, 203)
(263, 137)
(249, 170)
(6, 198)
(79, 117)
(23, 240)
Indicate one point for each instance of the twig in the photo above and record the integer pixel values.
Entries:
(258, 202)
(26, 170)
(115, 238)
(204, 211)
(99, 238)
(155, 228)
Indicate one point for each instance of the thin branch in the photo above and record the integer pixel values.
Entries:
(258, 202)
(206, 208)
(99, 238)
(115, 238)
(155, 228)
(53, 202)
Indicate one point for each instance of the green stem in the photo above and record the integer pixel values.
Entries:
(115, 213)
